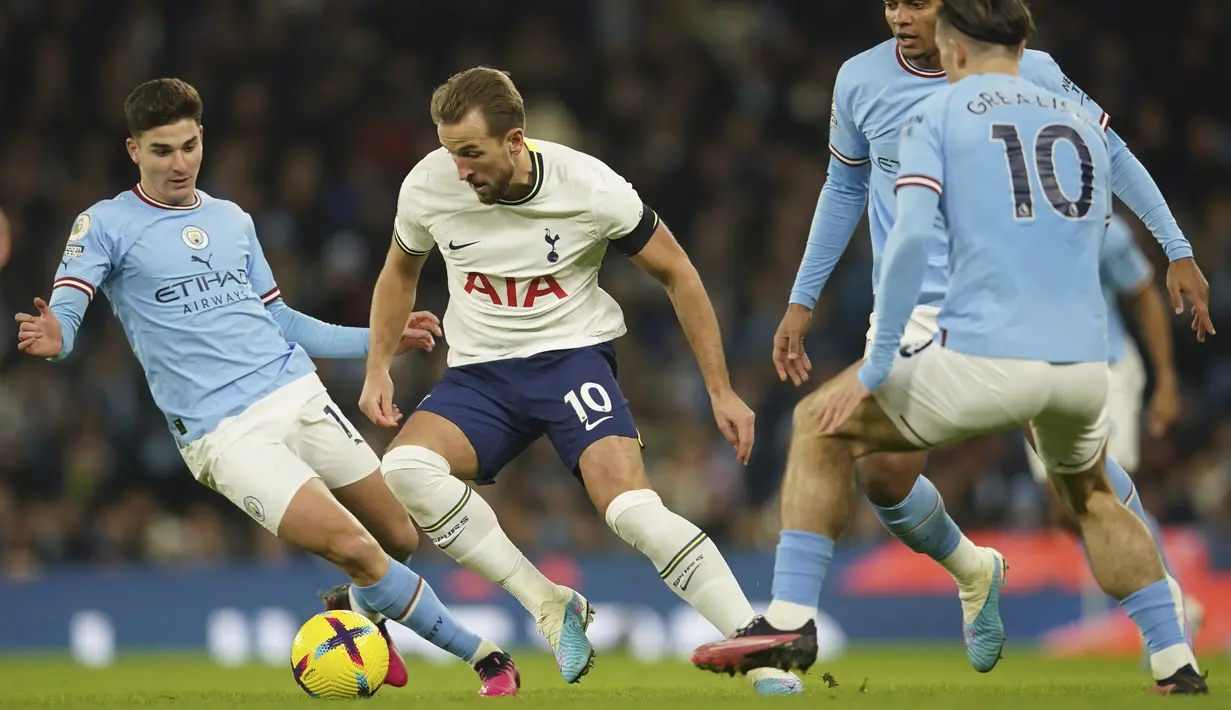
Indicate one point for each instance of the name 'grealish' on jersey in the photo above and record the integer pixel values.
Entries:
(523, 274)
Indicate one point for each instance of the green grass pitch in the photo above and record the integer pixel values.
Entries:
(914, 678)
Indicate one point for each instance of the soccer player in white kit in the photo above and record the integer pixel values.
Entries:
(531, 355)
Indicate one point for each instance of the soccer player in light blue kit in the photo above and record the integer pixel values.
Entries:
(228, 364)
(1015, 181)
(873, 93)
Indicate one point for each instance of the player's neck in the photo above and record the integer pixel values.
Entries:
(157, 195)
(523, 176)
(995, 65)
(928, 62)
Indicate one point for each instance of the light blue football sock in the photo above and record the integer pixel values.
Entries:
(921, 523)
(407, 598)
(1154, 612)
(800, 566)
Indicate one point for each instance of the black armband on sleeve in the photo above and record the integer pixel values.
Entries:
(632, 243)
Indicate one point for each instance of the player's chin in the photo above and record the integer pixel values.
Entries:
(181, 188)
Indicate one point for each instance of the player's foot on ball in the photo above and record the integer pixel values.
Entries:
(1186, 681)
(760, 645)
(983, 630)
(771, 681)
(339, 598)
(563, 622)
(499, 675)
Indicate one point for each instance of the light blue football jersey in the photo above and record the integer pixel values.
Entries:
(1024, 183)
(874, 92)
(1124, 270)
(189, 284)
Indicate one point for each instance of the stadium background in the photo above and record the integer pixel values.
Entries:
(715, 111)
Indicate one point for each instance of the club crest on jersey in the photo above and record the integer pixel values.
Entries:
(551, 240)
(80, 227)
(195, 237)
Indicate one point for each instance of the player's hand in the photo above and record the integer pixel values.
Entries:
(1184, 279)
(845, 395)
(376, 401)
(789, 357)
(39, 335)
(419, 333)
(1164, 406)
(736, 422)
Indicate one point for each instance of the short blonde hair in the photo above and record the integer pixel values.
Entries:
(489, 90)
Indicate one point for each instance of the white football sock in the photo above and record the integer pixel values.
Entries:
(788, 616)
(966, 563)
(687, 560)
(462, 524)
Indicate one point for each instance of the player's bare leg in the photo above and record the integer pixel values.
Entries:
(912, 510)
(688, 562)
(424, 468)
(1122, 485)
(817, 494)
(1125, 562)
(380, 513)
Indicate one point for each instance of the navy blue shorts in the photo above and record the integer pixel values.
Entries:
(503, 406)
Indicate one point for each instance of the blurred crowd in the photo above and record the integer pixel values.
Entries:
(715, 110)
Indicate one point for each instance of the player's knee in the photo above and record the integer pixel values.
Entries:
(414, 472)
(805, 417)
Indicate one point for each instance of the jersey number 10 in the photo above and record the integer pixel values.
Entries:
(1044, 152)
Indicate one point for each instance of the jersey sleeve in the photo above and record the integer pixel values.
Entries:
(408, 231)
(620, 216)
(846, 142)
(87, 257)
(920, 149)
(260, 275)
(1043, 70)
(1124, 269)
(88, 260)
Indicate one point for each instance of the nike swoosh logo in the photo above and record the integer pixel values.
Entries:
(460, 246)
(688, 579)
(591, 424)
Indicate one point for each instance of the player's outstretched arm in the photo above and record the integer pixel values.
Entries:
(838, 211)
(1132, 183)
(392, 302)
(664, 259)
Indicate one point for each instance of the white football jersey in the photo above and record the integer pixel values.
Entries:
(523, 274)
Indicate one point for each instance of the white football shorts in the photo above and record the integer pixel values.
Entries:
(1124, 405)
(261, 457)
(920, 328)
(936, 396)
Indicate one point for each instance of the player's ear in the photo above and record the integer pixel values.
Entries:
(133, 149)
(516, 139)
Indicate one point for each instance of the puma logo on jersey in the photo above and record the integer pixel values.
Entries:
(539, 287)
(205, 261)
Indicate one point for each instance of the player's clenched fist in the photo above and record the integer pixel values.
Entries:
(736, 422)
(790, 360)
(39, 335)
(376, 401)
